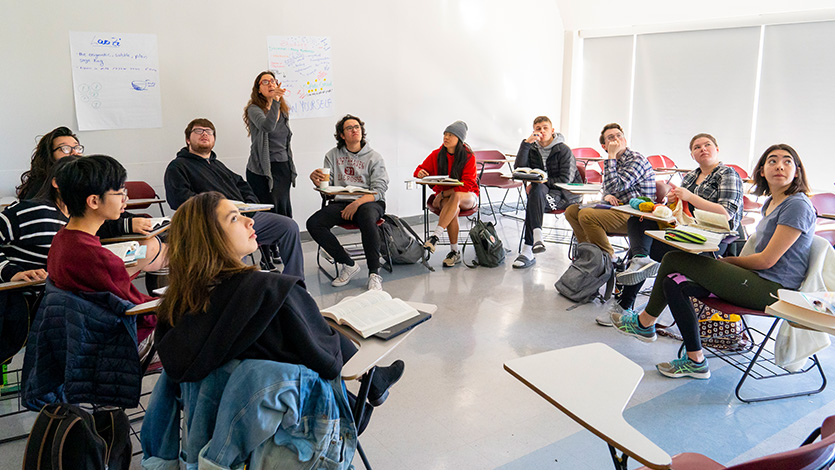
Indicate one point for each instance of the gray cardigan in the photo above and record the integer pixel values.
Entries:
(260, 126)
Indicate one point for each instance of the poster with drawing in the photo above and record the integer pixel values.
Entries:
(303, 66)
(115, 80)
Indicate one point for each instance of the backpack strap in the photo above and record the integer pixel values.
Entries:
(40, 438)
(406, 226)
(464, 250)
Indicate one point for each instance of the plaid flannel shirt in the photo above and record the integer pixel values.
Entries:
(722, 186)
(629, 176)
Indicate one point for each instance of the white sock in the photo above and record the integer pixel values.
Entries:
(537, 235)
(527, 251)
(439, 232)
(454, 247)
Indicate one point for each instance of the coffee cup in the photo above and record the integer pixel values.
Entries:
(323, 183)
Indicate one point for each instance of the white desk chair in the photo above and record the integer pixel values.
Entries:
(592, 384)
(360, 367)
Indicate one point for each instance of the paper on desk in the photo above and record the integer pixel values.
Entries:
(823, 302)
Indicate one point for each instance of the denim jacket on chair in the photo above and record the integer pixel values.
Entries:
(264, 411)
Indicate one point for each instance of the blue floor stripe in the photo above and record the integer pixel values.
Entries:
(699, 416)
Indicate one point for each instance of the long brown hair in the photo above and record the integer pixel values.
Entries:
(198, 258)
(259, 100)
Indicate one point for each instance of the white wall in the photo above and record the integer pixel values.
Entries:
(595, 16)
(408, 69)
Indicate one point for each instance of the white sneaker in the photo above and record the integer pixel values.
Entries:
(605, 318)
(375, 282)
(639, 270)
(345, 274)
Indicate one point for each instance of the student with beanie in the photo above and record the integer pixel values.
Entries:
(456, 159)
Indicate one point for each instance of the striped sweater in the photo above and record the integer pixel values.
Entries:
(26, 231)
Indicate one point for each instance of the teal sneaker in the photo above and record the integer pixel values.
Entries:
(629, 325)
(684, 367)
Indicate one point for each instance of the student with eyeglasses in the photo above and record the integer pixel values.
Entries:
(270, 170)
(197, 169)
(91, 191)
(53, 146)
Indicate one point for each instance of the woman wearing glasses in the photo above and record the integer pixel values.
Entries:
(270, 169)
(54, 145)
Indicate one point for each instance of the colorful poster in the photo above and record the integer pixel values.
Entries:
(115, 80)
(303, 66)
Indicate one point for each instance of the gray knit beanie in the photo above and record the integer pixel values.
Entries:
(458, 129)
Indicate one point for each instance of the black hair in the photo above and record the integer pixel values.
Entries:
(460, 158)
(87, 176)
(340, 142)
(48, 192)
(42, 161)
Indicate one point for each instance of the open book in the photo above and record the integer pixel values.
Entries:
(127, 251)
(533, 174)
(159, 222)
(440, 179)
(823, 302)
(251, 206)
(346, 189)
(711, 222)
(370, 312)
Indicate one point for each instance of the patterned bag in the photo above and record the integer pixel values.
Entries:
(717, 329)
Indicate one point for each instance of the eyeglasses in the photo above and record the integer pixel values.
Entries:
(266, 82)
(123, 194)
(350, 128)
(67, 149)
(201, 131)
(611, 137)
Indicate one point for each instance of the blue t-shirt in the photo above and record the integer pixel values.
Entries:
(795, 211)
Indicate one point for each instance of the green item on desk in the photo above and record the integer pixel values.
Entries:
(684, 237)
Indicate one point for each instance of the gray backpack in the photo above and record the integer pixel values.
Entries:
(406, 247)
(591, 268)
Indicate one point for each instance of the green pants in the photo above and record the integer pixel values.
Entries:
(730, 283)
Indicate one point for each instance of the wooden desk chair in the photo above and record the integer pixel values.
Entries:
(757, 361)
(143, 190)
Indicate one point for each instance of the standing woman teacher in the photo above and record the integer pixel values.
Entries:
(270, 169)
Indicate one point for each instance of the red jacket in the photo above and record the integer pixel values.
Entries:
(469, 176)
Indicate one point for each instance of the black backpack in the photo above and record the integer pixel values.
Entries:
(489, 251)
(65, 437)
(591, 268)
(404, 243)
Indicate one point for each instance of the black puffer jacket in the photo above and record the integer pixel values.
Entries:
(81, 349)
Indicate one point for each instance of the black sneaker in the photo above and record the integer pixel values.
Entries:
(430, 243)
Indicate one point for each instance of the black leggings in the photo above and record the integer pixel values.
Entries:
(704, 276)
(641, 244)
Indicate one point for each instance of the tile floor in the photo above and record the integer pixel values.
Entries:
(456, 408)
